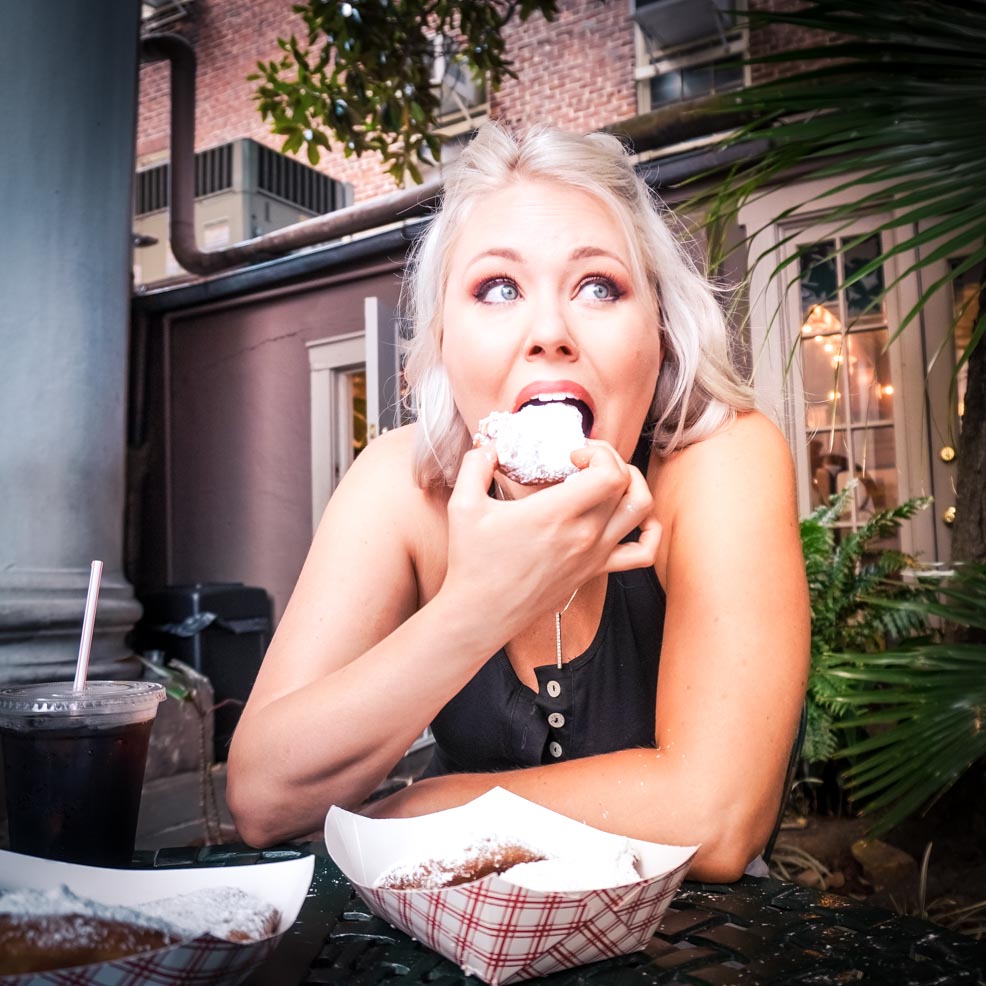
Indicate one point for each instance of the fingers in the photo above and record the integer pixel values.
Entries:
(603, 477)
(641, 553)
(590, 512)
(635, 510)
(475, 476)
(599, 455)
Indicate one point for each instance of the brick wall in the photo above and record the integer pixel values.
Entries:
(230, 36)
(779, 37)
(576, 72)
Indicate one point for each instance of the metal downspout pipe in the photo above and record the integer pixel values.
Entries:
(320, 229)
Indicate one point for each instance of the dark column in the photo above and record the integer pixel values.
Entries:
(68, 72)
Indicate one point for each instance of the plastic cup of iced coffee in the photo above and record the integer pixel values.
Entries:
(74, 767)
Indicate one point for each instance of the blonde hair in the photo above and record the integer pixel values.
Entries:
(697, 389)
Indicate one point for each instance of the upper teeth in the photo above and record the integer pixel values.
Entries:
(555, 397)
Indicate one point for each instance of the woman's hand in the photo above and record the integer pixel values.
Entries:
(516, 559)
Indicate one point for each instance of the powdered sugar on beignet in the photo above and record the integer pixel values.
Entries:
(535, 444)
(225, 912)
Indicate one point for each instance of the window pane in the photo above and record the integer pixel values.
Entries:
(666, 88)
(829, 461)
(692, 81)
(727, 75)
(868, 376)
(697, 80)
(821, 320)
(824, 400)
(863, 293)
(877, 459)
(819, 277)
(848, 389)
(871, 452)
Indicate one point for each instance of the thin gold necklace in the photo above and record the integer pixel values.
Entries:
(558, 613)
(558, 616)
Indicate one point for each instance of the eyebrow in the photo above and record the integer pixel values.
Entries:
(579, 253)
(504, 252)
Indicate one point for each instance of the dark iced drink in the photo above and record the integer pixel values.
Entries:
(74, 767)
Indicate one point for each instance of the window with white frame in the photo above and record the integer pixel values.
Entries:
(464, 102)
(846, 372)
(687, 49)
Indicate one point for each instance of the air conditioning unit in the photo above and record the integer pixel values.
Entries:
(670, 23)
(156, 15)
(242, 190)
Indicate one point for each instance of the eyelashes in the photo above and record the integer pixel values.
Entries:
(596, 281)
(502, 289)
(507, 287)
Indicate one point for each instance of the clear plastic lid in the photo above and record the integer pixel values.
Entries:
(55, 705)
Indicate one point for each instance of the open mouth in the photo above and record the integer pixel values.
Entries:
(542, 400)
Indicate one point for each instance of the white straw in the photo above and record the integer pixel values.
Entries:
(88, 622)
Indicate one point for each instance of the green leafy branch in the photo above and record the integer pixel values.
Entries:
(898, 681)
(919, 708)
(847, 580)
(879, 108)
(363, 74)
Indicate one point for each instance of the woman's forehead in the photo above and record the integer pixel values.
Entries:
(531, 220)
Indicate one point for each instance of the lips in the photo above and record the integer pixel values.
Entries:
(543, 392)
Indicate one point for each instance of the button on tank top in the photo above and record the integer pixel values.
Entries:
(601, 701)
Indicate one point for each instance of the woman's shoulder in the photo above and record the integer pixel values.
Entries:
(390, 449)
(749, 441)
(732, 487)
(746, 459)
(379, 501)
(383, 474)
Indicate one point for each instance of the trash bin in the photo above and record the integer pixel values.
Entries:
(221, 629)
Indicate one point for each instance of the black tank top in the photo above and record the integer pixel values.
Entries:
(601, 701)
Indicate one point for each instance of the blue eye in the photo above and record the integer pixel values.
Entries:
(598, 289)
(497, 291)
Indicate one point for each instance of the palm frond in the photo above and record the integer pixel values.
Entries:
(880, 102)
(958, 599)
(878, 110)
(919, 709)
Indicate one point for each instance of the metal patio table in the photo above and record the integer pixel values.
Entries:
(756, 931)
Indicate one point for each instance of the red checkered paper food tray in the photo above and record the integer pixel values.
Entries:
(491, 928)
(206, 961)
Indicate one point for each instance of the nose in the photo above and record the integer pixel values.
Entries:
(550, 334)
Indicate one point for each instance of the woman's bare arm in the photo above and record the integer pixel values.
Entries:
(733, 669)
(358, 666)
(339, 697)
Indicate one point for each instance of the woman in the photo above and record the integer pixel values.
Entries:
(673, 553)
